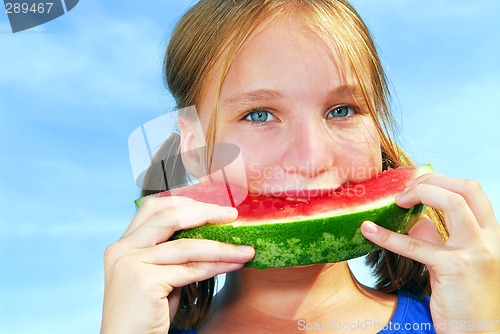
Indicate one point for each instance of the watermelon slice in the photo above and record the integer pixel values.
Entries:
(306, 228)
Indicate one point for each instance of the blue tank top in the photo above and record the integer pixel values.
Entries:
(412, 315)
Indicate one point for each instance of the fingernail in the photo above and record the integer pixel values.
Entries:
(411, 183)
(399, 196)
(369, 228)
(229, 209)
(245, 249)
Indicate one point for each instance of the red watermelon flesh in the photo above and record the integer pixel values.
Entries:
(349, 198)
(310, 227)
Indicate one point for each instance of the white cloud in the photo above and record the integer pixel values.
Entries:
(104, 63)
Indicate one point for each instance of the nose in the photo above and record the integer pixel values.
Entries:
(310, 149)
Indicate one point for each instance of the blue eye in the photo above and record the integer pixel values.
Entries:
(340, 112)
(260, 116)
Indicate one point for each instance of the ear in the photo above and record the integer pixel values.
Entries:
(191, 145)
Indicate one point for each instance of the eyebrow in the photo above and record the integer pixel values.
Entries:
(269, 94)
(255, 95)
(351, 90)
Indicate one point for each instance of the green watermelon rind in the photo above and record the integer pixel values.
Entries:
(305, 242)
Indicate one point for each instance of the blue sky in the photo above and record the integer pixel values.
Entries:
(72, 90)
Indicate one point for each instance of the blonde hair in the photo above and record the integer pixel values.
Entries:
(213, 29)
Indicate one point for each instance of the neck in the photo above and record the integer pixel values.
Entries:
(292, 293)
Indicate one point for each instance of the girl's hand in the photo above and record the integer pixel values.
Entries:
(464, 271)
(143, 273)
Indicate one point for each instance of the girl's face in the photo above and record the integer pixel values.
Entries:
(298, 122)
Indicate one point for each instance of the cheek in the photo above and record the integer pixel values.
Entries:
(251, 165)
(373, 144)
(356, 147)
(365, 153)
(261, 164)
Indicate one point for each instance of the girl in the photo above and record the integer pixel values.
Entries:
(299, 88)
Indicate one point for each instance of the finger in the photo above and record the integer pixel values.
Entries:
(424, 229)
(183, 274)
(470, 190)
(162, 226)
(151, 206)
(405, 245)
(194, 250)
(458, 216)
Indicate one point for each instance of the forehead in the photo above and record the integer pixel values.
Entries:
(283, 40)
(286, 50)
(280, 50)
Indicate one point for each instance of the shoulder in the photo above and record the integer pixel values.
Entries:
(412, 315)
